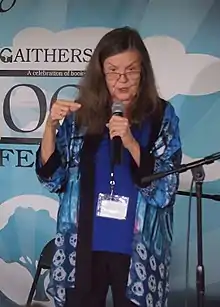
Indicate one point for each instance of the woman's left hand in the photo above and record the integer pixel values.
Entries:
(119, 126)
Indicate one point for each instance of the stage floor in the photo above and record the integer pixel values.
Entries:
(175, 300)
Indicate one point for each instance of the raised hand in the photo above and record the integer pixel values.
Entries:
(60, 109)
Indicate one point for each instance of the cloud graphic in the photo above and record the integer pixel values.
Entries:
(36, 202)
(77, 45)
(178, 72)
(12, 287)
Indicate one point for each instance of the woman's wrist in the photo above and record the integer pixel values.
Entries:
(134, 149)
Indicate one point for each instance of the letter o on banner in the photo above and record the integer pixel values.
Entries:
(7, 108)
(4, 10)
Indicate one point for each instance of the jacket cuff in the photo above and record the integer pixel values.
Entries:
(49, 168)
(146, 168)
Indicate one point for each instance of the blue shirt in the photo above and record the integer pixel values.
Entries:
(109, 234)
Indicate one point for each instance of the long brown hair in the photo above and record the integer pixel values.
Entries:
(93, 93)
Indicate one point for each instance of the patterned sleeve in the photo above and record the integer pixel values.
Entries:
(53, 174)
(165, 156)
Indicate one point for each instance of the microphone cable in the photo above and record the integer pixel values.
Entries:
(188, 243)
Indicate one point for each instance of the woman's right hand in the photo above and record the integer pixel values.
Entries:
(60, 109)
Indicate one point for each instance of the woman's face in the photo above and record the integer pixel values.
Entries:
(122, 73)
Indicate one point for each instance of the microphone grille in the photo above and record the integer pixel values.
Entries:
(118, 107)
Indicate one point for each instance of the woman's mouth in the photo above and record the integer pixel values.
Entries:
(124, 89)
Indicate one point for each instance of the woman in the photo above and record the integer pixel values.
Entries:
(120, 239)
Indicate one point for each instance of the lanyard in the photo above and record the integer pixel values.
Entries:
(112, 183)
(112, 168)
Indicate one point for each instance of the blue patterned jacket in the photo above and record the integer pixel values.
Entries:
(149, 269)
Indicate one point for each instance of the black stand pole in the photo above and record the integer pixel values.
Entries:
(198, 177)
(215, 197)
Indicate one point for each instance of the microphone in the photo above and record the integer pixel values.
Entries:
(116, 146)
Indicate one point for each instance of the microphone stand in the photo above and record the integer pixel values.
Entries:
(198, 177)
(214, 197)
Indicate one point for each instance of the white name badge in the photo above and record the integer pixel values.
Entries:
(112, 206)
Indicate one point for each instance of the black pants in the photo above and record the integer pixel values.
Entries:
(108, 270)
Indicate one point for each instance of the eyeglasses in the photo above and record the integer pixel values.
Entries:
(131, 75)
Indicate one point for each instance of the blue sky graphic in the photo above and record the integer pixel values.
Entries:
(189, 21)
(195, 23)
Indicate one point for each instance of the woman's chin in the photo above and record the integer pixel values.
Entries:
(125, 100)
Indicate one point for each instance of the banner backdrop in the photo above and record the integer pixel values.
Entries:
(44, 49)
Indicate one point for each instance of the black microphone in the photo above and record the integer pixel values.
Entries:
(116, 146)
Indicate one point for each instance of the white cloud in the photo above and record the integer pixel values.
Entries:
(77, 38)
(36, 202)
(86, 36)
(178, 72)
(10, 281)
(212, 172)
(12, 287)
